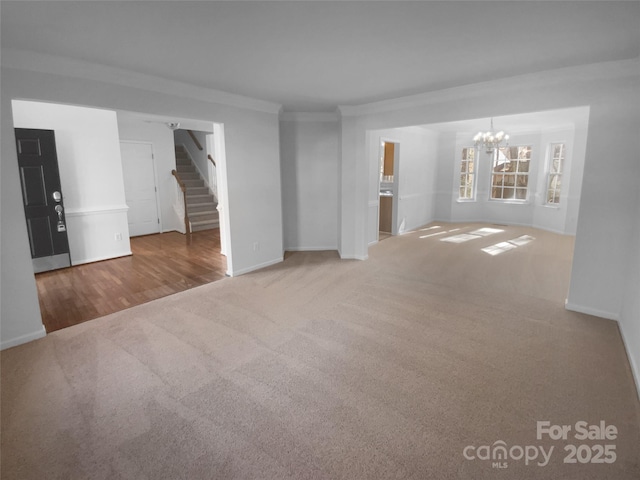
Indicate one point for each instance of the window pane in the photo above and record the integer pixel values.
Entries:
(466, 175)
(554, 175)
(509, 180)
(558, 182)
(558, 150)
(524, 152)
(523, 180)
(521, 193)
(523, 166)
(508, 192)
(498, 180)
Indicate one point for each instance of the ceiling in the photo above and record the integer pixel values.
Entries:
(313, 56)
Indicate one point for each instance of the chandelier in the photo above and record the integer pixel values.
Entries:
(489, 140)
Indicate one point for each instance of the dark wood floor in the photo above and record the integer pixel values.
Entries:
(161, 265)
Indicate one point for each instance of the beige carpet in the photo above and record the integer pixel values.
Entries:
(325, 369)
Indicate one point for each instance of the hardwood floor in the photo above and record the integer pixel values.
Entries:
(161, 265)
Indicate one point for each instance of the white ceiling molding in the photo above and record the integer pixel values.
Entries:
(64, 66)
(310, 116)
(596, 71)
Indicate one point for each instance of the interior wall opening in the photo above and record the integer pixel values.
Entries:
(92, 145)
(442, 182)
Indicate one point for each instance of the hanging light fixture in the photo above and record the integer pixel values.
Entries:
(490, 140)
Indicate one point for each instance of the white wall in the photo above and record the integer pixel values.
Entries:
(254, 208)
(133, 127)
(309, 165)
(630, 314)
(88, 150)
(20, 319)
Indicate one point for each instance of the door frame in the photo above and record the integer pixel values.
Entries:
(396, 169)
(155, 178)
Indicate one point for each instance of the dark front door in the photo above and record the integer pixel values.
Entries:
(42, 199)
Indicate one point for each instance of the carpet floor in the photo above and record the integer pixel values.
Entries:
(419, 363)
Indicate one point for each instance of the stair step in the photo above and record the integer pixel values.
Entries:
(194, 207)
(192, 191)
(186, 169)
(198, 227)
(204, 216)
(189, 176)
(199, 199)
(193, 182)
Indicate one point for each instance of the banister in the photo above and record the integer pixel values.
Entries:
(212, 160)
(184, 197)
(195, 139)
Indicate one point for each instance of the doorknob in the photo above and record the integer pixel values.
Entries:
(61, 225)
(57, 196)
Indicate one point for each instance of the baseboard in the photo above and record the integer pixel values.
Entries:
(635, 371)
(310, 249)
(14, 342)
(253, 268)
(591, 311)
(100, 259)
(354, 257)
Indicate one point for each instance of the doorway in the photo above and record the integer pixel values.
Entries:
(388, 189)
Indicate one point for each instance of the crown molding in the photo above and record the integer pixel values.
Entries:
(68, 67)
(595, 71)
(310, 116)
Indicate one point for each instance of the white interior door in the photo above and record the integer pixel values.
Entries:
(138, 170)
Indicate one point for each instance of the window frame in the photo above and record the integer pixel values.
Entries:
(467, 173)
(517, 174)
(558, 174)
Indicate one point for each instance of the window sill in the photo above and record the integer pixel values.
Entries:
(509, 202)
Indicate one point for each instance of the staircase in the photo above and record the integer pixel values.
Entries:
(201, 205)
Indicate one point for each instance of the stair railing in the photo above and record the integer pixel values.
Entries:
(187, 224)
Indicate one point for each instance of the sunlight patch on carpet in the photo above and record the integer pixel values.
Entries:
(461, 238)
(486, 231)
(499, 248)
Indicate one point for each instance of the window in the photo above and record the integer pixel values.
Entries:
(554, 176)
(510, 173)
(467, 174)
